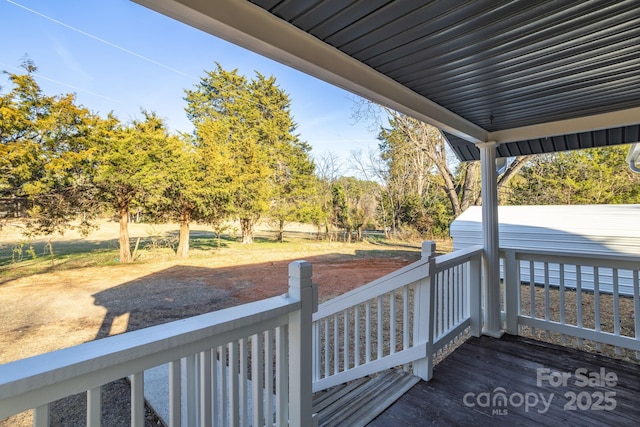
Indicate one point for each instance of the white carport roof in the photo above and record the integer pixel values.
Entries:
(534, 76)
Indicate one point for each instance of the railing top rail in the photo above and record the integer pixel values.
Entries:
(453, 258)
(623, 260)
(394, 280)
(155, 342)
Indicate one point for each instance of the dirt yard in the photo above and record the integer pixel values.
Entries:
(63, 307)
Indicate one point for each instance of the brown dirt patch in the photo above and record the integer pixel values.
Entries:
(61, 308)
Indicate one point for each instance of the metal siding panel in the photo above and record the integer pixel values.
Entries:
(425, 36)
(565, 229)
(500, 64)
(346, 17)
(535, 50)
(389, 20)
(631, 134)
(315, 16)
(572, 142)
(292, 9)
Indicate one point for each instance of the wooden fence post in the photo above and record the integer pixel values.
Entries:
(300, 345)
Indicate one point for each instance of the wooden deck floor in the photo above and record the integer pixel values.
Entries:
(466, 386)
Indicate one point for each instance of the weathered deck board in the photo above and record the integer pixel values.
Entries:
(357, 403)
(482, 365)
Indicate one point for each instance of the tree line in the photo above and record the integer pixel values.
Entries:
(244, 161)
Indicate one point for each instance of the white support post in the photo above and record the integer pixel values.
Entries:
(491, 276)
(424, 314)
(300, 345)
(511, 292)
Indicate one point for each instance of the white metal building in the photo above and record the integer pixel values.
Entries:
(579, 229)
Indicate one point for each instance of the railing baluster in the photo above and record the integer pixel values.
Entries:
(346, 335)
(282, 377)
(450, 299)
(206, 418)
(380, 354)
(257, 372)
(406, 327)
(356, 335)
(234, 404)
(175, 392)
(563, 337)
(636, 306)
(215, 396)
(94, 407)
(315, 330)
(547, 301)
(268, 377)
(579, 300)
(367, 331)
(191, 390)
(458, 291)
(41, 416)
(392, 322)
(243, 393)
(439, 303)
(532, 293)
(224, 385)
(616, 308)
(326, 348)
(336, 345)
(137, 399)
(596, 297)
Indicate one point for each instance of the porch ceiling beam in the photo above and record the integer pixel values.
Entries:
(251, 27)
(610, 120)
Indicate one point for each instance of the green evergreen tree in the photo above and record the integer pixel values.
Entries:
(45, 155)
(129, 168)
(249, 124)
(592, 176)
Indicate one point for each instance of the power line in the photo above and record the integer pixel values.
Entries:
(84, 33)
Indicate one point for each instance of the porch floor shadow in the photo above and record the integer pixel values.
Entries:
(515, 381)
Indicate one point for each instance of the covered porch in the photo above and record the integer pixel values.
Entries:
(499, 79)
(273, 362)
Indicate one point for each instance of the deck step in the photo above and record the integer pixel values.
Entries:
(359, 402)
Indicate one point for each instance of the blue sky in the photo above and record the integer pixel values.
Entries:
(119, 56)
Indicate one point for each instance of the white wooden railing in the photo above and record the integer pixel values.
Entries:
(273, 353)
(401, 319)
(266, 342)
(587, 297)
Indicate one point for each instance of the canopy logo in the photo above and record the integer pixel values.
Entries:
(600, 398)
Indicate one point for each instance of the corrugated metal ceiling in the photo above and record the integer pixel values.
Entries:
(498, 64)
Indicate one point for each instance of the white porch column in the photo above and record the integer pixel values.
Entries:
(491, 270)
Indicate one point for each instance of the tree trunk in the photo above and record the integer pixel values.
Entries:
(281, 231)
(125, 250)
(183, 241)
(504, 179)
(246, 225)
(469, 186)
